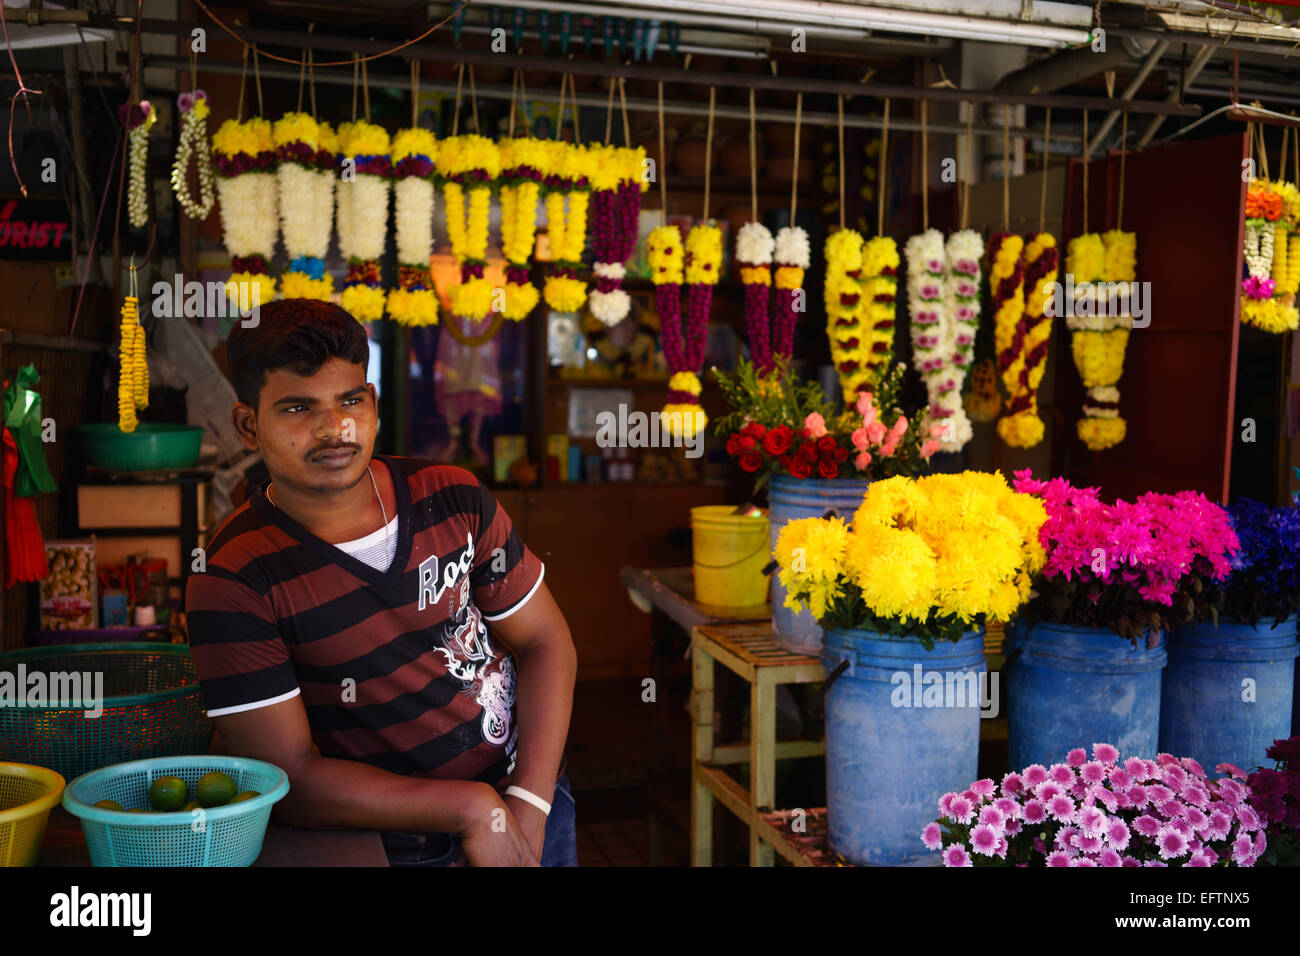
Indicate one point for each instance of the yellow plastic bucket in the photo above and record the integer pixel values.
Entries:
(730, 551)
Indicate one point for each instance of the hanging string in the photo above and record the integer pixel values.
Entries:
(194, 70)
(1006, 169)
(573, 108)
(455, 116)
(302, 77)
(514, 89)
(257, 81)
(753, 159)
(1295, 155)
(622, 97)
(708, 151)
(965, 190)
(794, 180)
(1281, 166)
(365, 88)
(415, 96)
(356, 78)
(243, 75)
(1263, 151)
(1123, 154)
(473, 100)
(311, 78)
(662, 170)
(523, 97)
(559, 117)
(1085, 172)
(839, 105)
(609, 111)
(1047, 159)
(925, 170)
(882, 175)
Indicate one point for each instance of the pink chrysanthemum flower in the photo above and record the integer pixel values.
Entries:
(1035, 812)
(1164, 760)
(961, 809)
(983, 788)
(1198, 859)
(1013, 827)
(1173, 808)
(1105, 753)
(1136, 768)
(1231, 769)
(993, 817)
(1197, 796)
(1001, 849)
(1218, 826)
(1010, 808)
(1248, 817)
(956, 855)
(1083, 861)
(1117, 834)
(1209, 854)
(1138, 795)
(1013, 784)
(1061, 773)
(1197, 819)
(1039, 845)
(1108, 857)
(1194, 768)
(1093, 772)
(1091, 821)
(945, 802)
(1130, 861)
(1107, 799)
(1061, 808)
(1058, 858)
(1035, 774)
(1175, 776)
(1156, 863)
(932, 836)
(1076, 757)
(1231, 791)
(1048, 789)
(1261, 843)
(1147, 825)
(1090, 844)
(1243, 850)
(1119, 778)
(1159, 794)
(1065, 837)
(971, 795)
(984, 839)
(1172, 844)
(1123, 801)
(1182, 826)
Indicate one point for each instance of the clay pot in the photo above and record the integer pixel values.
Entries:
(733, 158)
(689, 155)
(780, 169)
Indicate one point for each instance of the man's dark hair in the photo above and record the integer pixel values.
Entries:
(298, 334)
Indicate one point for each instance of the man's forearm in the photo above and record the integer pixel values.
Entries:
(327, 793)
(544, 702)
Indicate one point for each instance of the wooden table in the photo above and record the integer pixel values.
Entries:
(283, 846)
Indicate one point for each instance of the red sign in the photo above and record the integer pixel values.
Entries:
(34, 229)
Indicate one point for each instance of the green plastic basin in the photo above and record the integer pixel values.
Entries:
(151, 446)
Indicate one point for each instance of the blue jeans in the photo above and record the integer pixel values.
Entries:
(560, 847)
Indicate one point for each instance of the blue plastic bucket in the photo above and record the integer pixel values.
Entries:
(1076, 686)
(891, 750)
(790, 499)
(1228, 691)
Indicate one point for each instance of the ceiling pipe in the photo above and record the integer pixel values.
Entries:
(1070, 67)
(1176, 94)
(1134, 85)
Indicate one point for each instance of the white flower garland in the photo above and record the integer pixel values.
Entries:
(931, 304)
(194, 143)
(754, 244)
(367, 227)
(137, 206)
(793, 248)
(1259, 248)
(248, 223)
(961, 319)
(413, 199)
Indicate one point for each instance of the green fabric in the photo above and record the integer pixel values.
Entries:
(23, 417)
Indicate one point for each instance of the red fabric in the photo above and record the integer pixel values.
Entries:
(24, 545)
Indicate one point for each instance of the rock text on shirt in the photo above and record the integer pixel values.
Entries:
(430, 590)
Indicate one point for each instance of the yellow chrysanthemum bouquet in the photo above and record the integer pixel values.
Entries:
(567, 180)
(522, 164)
(932, 557)
(468, 165)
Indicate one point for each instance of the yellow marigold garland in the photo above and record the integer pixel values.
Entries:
(567, 179)
(877, 310)
(1098, 342)
(849, 339)
(522, 162)
(133, 368)
(469, 163)
(1021, 427)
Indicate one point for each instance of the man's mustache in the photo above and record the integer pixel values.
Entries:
(328, 448)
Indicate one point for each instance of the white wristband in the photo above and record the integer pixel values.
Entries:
(529, 797)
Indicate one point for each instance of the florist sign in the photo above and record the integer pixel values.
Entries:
(34, 229)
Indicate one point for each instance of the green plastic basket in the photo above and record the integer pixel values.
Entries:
(219, 836)
(151, 446)
(151, 702)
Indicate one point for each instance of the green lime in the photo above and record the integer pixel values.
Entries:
(108, 805)
(167, 793)
(215, 789)
(246, 795)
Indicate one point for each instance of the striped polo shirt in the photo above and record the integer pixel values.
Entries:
(395, 667)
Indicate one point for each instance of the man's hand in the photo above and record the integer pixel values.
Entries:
(532, 823)
(494, 837)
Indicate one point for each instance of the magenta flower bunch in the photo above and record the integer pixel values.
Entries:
(1101, 812)
(1131, 566)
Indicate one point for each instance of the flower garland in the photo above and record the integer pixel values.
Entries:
(943, 297)
(139, 120)
(695, 262)
(414, 302)
(1007, 283)
(243, 158)
(567, 178)
(1269, 303)
(1098, 342)
(297, 142)
(617, 184)
(793, 257)
(522, 161)
(469, 164)
(843, 293)
(193, 142)
(133, 370)
(754, 248)
(363, 216)
(1023, 355)
(878, 281)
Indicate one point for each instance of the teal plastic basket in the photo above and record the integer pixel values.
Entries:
(152, 708)
(219, 836)
(152, 446)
